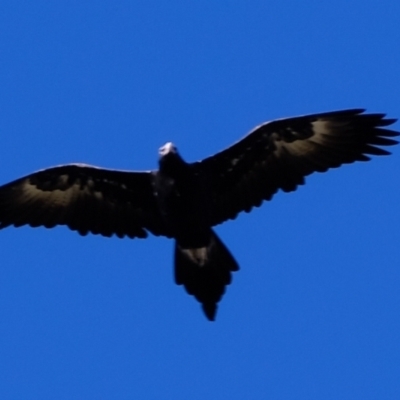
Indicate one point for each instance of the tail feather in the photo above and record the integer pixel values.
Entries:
(205, 272)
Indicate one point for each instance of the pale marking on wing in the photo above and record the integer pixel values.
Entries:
(98, 195)
(63, 178)
(320, 127)
(303, 147)
(56, 196)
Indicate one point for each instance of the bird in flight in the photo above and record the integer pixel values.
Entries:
(184, 201)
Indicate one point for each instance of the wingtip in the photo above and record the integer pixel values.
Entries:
(388, 121)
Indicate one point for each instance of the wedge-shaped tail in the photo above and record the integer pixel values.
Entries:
(205, 272)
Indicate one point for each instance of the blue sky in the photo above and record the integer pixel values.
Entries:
(314, 312)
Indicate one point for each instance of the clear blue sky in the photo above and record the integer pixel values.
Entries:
(314, 312)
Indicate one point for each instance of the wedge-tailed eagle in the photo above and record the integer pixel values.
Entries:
(185, 201)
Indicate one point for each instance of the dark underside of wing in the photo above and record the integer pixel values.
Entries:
(279, 154)
(86, 199)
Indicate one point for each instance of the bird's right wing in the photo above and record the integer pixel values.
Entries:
(86, 199)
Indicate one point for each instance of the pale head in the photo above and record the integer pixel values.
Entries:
(167, 149)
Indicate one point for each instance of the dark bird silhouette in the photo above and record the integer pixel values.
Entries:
(184, 201)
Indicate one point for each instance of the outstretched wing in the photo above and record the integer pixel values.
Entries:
(86, 199)
(279, 154)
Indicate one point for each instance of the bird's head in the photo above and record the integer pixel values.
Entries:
(168, 148)
(169, 158)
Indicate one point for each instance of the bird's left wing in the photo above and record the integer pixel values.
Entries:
(86, 199)
(279, 154)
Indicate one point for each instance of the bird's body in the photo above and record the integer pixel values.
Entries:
(202, 263)
(184, 201)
